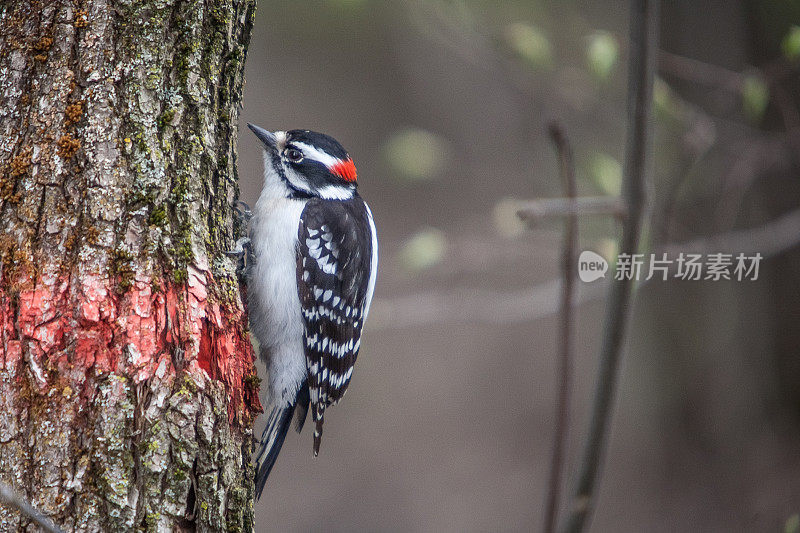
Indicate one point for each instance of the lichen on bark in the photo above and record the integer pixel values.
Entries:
(126, 397)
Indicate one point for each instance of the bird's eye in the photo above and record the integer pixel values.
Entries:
(294, 155)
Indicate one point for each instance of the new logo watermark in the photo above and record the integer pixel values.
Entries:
(684, 266)
(591, 266)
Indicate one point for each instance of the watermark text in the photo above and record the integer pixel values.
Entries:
(663, 266)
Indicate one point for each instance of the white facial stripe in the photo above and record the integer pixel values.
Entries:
(332, 192)
(312, 152)
(296, 179)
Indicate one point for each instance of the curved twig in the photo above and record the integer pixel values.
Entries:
(643, 34)
(568, 262)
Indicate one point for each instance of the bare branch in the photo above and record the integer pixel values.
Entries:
(10, 498)
(534, 210)
(569, 252)
(468, 305)
(643, 35)
(769, 239)
(696, 143)
(698, 71)
(451, 26)
(774, 73)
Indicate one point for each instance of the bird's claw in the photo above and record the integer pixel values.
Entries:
(241, 247)
(242, 252)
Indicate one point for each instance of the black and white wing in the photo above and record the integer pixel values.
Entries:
(336, 267)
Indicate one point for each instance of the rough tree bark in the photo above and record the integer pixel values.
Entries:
(127, 386)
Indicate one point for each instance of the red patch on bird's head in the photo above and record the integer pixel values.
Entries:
(345, 169)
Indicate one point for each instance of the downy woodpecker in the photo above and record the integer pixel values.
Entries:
(315, 254)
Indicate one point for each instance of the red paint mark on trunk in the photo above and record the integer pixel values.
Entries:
(206, 352)
(83, 327)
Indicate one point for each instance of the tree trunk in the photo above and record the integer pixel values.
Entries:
(127, 385)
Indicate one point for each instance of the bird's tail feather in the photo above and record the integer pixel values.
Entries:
(280, 418)
(303, 400)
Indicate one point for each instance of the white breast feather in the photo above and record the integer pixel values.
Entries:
(275, 312)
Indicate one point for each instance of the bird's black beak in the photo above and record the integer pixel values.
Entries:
(267, 137)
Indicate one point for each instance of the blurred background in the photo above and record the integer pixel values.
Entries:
(443, 105)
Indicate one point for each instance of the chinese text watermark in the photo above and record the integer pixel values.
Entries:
(663, 266)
